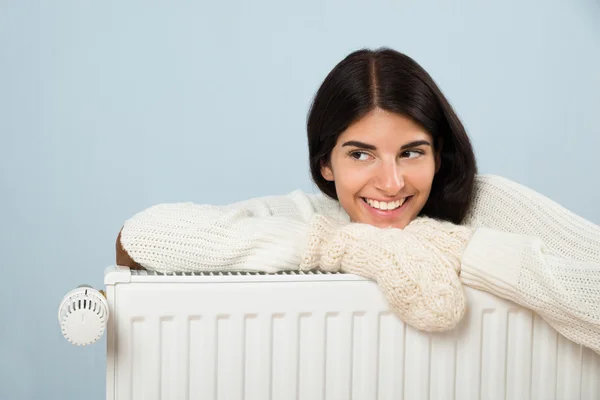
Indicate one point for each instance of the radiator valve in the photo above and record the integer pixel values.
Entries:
(82, 315)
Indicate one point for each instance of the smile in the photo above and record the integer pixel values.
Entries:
(384, 205)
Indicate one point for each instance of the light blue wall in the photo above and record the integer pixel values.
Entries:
(107, 107)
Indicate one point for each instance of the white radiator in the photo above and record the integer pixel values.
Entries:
(323, 336)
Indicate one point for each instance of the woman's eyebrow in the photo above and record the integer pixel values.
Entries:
(366, 146)
(360, 145)
(415, 144)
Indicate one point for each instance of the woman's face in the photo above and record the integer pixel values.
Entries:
(383, 167)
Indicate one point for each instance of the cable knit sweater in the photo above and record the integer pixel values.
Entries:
(515, 243)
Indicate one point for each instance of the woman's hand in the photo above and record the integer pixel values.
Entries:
(417, 268)
(122, 257)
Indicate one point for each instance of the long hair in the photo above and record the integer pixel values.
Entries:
(394, 82)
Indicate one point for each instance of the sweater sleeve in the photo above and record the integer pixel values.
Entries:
(266, 234)
(531, 250)
(416, 268)
(565, 293)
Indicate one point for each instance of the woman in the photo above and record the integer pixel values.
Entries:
(403, 206)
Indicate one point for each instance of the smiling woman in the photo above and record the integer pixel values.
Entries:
(403, 206)
(380, 129)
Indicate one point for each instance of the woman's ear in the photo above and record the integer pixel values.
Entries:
(326, 171)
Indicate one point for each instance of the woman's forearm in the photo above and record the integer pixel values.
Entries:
(565, 293)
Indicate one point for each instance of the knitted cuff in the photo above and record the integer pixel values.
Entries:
(321, 230)
(492, 261)
(278, 245)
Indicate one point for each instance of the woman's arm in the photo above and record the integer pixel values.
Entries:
(534, 252)
(262, 234)
(565, 293)
(416, 268)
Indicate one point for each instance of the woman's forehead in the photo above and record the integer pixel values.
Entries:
(382, 128)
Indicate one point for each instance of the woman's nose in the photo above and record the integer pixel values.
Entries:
(391, 179)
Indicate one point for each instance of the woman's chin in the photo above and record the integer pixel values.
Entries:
(396, 225)
(381, 224)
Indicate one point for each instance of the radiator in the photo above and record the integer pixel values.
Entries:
(323, 336)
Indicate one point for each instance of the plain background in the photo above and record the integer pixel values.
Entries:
(107, 107)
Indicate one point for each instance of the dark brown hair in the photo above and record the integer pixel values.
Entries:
(394, 82)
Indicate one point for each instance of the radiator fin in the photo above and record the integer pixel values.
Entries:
(544, 371)
(519, 354)
(168, 352)
(391, 361)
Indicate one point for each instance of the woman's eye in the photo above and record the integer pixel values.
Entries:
(411, 154)
(359, 155)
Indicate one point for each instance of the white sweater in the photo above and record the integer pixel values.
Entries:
(515, 243)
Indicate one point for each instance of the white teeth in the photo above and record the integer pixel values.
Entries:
(382, 205)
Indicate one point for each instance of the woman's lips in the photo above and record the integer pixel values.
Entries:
(387, 214)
